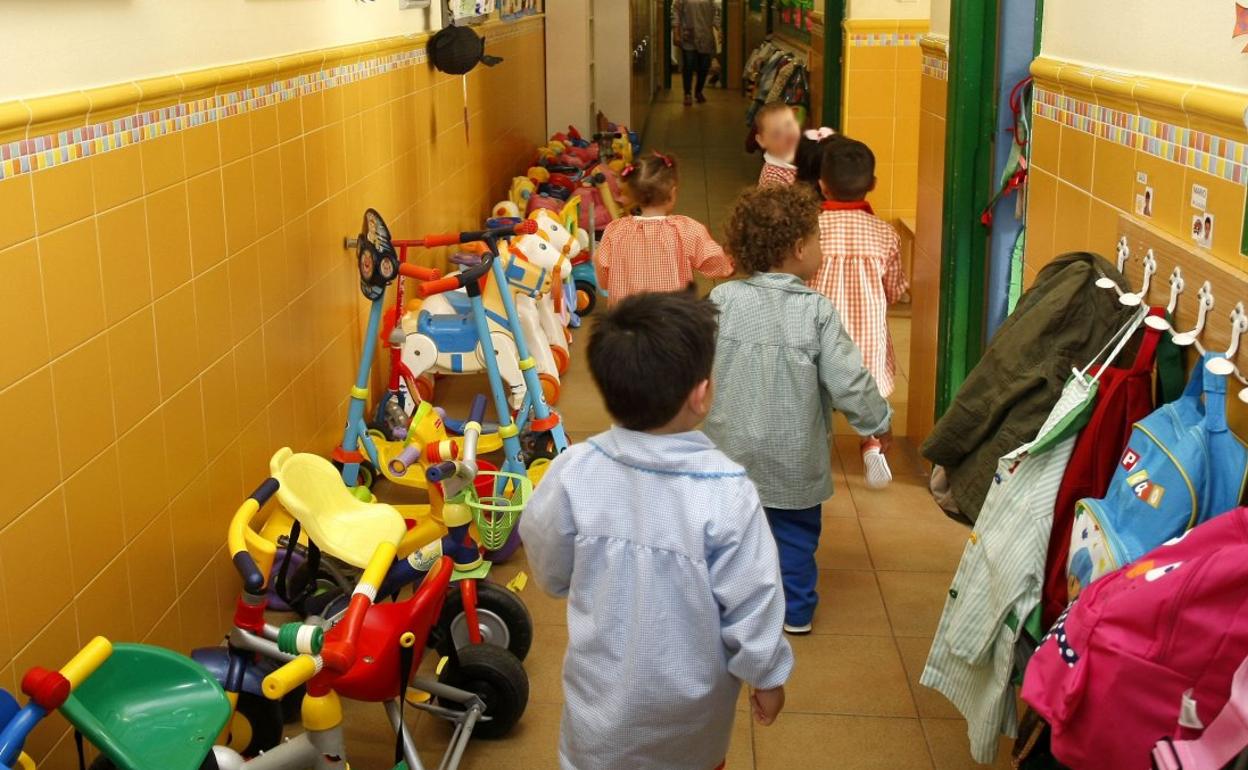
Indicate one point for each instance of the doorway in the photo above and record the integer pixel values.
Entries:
(726, 40)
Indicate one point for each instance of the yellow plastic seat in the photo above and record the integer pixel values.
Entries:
(341, 524)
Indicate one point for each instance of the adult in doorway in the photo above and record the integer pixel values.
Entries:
(694, 27)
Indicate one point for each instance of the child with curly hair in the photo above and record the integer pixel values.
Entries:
(783, 363)
(656, 250)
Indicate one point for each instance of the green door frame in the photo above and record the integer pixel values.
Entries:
(971, 114)
(833, 61)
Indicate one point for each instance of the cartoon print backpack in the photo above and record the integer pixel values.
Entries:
(1182, 466)
(1148, 647)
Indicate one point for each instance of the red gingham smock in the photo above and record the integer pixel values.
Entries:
(641, 254)
(862, 275)
(776, 172)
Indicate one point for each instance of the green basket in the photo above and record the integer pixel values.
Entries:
(496, 516)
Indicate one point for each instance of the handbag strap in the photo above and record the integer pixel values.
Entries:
(1221, 741)
(1214, 387)
(1148, 346)
(1117, 343)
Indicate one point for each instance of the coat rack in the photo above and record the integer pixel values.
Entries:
(1206, 296)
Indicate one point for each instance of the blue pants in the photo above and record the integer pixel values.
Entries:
(797, 537)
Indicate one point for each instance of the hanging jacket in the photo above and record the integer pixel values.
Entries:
(1060, 323)
(1125, 398)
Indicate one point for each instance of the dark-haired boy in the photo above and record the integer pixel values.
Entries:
(660, 544)
(861, 271)
(782, 363)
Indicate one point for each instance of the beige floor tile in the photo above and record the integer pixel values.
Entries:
(850, 603)
(910, 545)
(741, 749)
(855, 675)
(841, 504)
(931, 704)
(545, 664)
(950, 749)
(827, 742)
(907, 497)
(841, 545)
(532, 745)
(545, 609)
(914, 600)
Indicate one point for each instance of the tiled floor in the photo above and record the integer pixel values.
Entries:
(854, 702)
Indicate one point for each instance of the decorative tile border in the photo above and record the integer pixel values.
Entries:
(40, 152)
(935, 67)
(883, 39)
(1188, 147)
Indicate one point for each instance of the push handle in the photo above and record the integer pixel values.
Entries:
(253, 577)
(291, 676)
(477, 412)
(87, 661)
(429, 288)
(442, 471)
(441, 239)
(418, 272)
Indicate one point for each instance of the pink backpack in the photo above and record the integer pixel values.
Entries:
(1144, 648)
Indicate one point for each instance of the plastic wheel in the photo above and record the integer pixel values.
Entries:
(507, 551)
(562, 359)
(550, 388)
(501, 615)
(497, 678)
(586, 297)
(256, 725)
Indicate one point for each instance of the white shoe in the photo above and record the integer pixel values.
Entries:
(875, 465)
(797, 630)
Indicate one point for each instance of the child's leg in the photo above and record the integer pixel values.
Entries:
(797, 537)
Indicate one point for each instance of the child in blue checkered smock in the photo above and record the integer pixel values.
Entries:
(660, 545)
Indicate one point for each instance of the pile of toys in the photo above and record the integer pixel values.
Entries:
(366, 586)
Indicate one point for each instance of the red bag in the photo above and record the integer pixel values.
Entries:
(1125, 398)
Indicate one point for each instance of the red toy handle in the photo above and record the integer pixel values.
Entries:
(429, 288)
(441, 239)
(419, 273)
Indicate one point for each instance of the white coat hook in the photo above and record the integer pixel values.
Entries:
(1135, 299)
(1186, 339)
(1224, 366)
(1124, 251)
(1162, 323)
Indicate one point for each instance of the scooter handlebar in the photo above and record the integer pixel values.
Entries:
(441, 239)
(88, 659)
(289, 677)
(418, 272)
(477, 412)
(429, 288)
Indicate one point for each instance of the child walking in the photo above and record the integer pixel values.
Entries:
(661, 547)
(658, 250)
(777, 132)
(783, 362)
(861, 271)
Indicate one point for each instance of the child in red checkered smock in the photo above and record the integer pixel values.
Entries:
(658, 250)
(777, 133)
(861, 271)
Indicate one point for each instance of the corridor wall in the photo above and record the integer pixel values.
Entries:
(180, 306)
(1137, 115)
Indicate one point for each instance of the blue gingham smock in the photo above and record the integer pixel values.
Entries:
(673, 585)
(783, 363)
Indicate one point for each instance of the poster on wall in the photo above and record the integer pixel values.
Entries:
(512, 10)
(463, 11)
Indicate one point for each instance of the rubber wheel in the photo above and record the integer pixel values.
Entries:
(501, 615)
(256, 725)
(507, 551)
(550, 388)
(562, 359)
(586, 297)
(497, 678)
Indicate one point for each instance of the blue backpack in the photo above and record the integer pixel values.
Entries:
(1182, 466)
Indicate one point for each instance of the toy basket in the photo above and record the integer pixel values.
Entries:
(496, 515)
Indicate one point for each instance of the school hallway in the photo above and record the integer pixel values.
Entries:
(886, 559)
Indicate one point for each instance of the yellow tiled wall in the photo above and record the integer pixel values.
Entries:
(1101, 139)
(929, 220)
(883, 67)
(177, 309)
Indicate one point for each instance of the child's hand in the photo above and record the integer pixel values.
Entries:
(766, 704)
(886, 441)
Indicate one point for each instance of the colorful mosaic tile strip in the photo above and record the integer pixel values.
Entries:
(32, 154)
(883, 39)
(935, 67)
(1178, 144)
